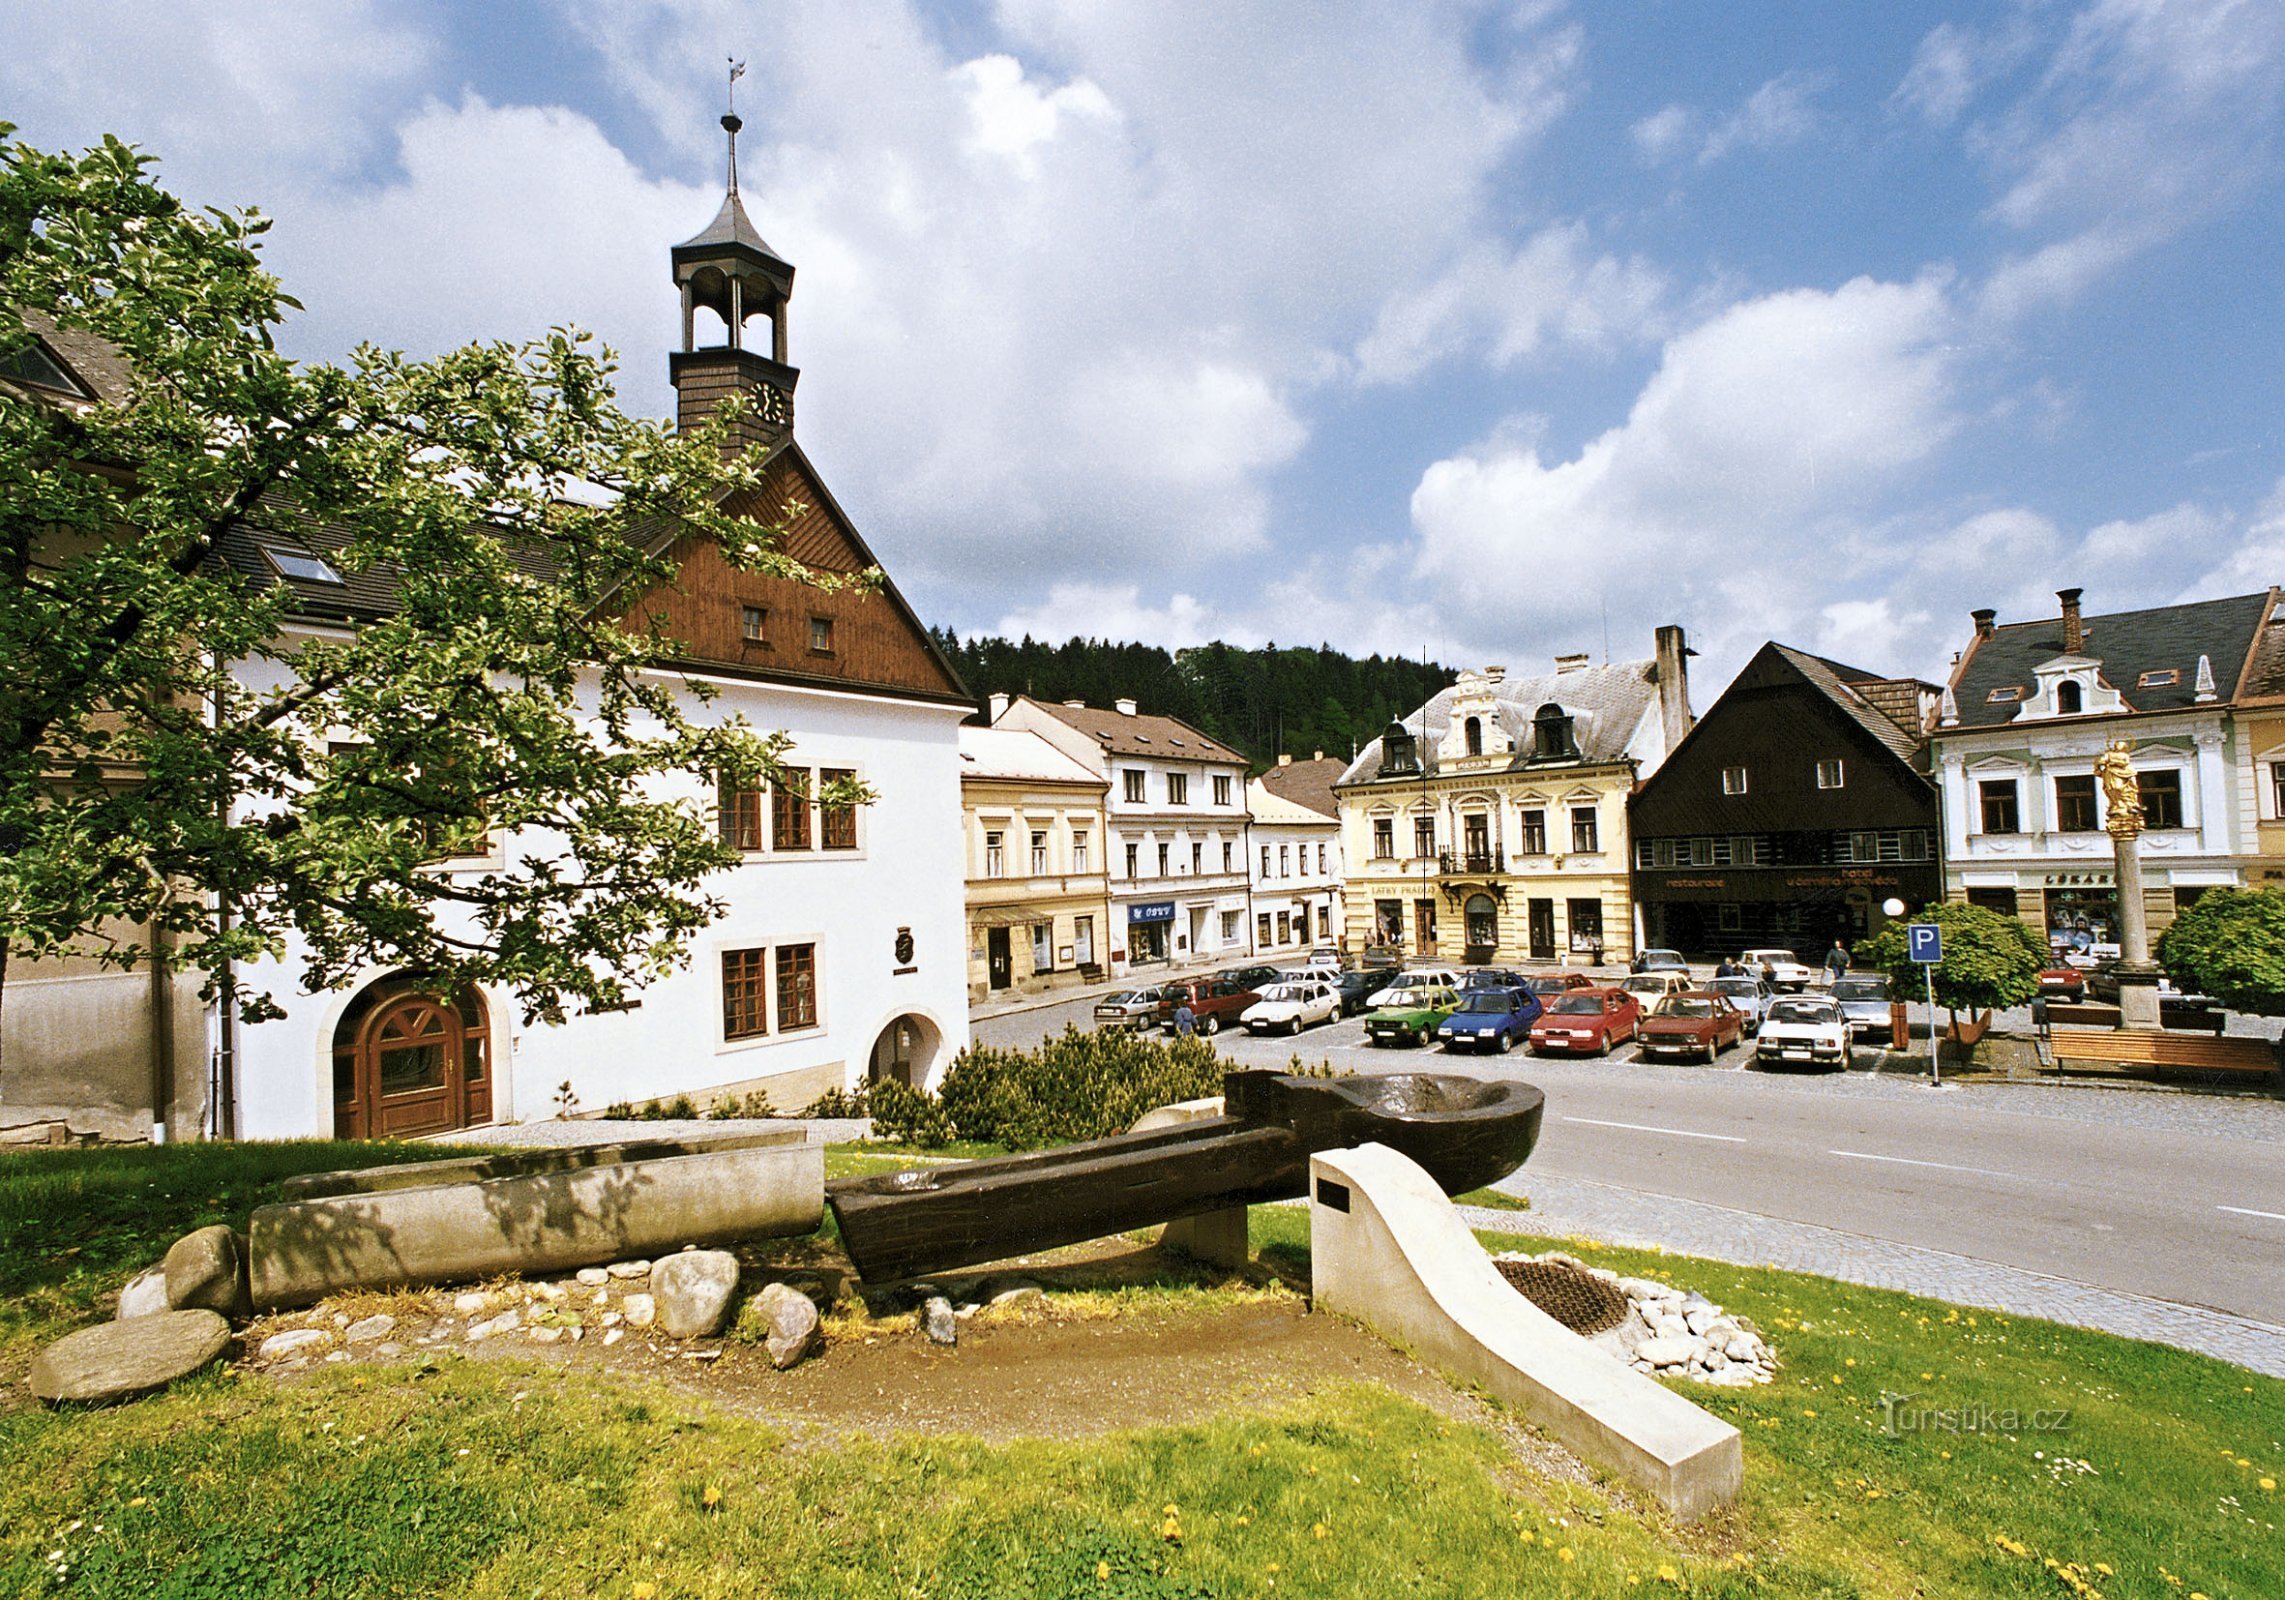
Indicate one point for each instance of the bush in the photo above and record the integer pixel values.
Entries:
(1075, 1086)
(1990, 959)
(2231, 945)
(838, 1103)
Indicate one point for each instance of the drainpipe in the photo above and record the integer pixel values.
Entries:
(162, 1034)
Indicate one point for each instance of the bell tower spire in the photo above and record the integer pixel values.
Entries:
(728, 269)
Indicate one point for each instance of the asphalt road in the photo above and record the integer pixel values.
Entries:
(2180, 1197)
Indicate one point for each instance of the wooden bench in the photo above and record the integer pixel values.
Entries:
(2140, 1047)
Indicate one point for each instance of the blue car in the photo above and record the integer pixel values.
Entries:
(1490, 1019)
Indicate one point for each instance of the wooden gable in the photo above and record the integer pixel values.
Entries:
(876, 642)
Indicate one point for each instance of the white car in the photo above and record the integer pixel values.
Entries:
(1652, 987)
(1808, 1029)
(1790, 974)
(1749, 995)
(1413, 978)
(1292, 1006)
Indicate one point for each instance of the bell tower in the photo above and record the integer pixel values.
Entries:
(730, 270)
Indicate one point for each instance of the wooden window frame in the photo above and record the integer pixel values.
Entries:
(745, 994)
(738, 815)
(820, 635)
(836, 823)
(754, 624)
(791, 966)
(789, 811)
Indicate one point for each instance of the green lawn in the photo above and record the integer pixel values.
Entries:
(498, 1479)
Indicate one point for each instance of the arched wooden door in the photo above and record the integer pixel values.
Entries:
(408, 1062)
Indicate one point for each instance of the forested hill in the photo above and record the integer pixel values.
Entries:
(1295, 700)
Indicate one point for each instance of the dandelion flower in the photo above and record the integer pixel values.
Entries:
(2269, 1485)
(1565, 1556)
(712, 1498)
(646, 1590)
(1319, 1530)
(1102, 1572)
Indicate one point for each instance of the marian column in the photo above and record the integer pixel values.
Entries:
(2137, 973)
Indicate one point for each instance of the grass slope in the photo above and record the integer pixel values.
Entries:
(494, 1478)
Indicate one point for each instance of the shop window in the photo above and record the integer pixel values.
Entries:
(1261, 928)
(1043, 947)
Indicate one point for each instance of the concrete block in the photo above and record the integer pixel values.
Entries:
(547, 1222)
(523, 1163)
(206, 1271)
(1217, 1238)
(1389, 1249)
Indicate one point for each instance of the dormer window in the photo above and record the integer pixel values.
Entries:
(2070, 699)
(30, 363)
(1473, 730)
(1551, 733)
(1399, 753)
(2159, 678)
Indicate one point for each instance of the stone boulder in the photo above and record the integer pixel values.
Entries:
(145, 1294)
(939, 1321)
(693, 1292)
(787, 1321)
(206, 1271)
(119, 1360)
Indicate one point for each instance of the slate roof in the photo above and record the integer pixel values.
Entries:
(91, 359)
(1307, 783)
(731, 226)
(1160, 738)
(1863, 696)
(2129, 644)
(1606, 705)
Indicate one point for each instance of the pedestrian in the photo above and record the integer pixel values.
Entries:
(1836, 961)
(1185, 1020)
(1723, 969)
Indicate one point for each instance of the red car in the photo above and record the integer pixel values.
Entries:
(1586, 1022)
(1547, 985)
(1694, 1022)
(2060, 982)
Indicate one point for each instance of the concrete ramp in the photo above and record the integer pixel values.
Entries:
(1387, 1248)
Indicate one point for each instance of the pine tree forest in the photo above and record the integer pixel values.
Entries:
(1290, 700)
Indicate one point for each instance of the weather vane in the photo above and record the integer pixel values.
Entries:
(737, 71)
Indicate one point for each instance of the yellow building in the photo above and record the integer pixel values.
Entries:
(1490, 826)
(1038, 896)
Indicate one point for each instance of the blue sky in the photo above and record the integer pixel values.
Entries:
(1480, 328)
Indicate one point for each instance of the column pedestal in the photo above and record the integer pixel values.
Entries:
(2137, 973)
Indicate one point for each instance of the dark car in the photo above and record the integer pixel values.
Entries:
(1660, 961)
(1493, 978)
(1490, 1019)
(1863, 999)
(1251, 977)
(1695, 1022)
(1547, 985)
(1354, 986)
(1213, 1002)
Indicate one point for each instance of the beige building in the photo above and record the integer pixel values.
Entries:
(1491, 826)
(1038, 900)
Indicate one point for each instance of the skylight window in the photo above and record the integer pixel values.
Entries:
(305, 568)
(32, 364)
(2159, 678)
(2005, 695)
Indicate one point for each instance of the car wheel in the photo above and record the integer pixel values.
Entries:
(1503, 1043)
(1210, 1026)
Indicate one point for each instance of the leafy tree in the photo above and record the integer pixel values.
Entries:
(2231, 945)
(178, 768)
(1990, 960)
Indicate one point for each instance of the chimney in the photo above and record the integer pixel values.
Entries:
(1673, 673)
(1284, 760)
(1572, 663)
(2074, 630)
(1126, 707)
(1984, 619)
(1076, 705)
(1317, 755)
(999, 707)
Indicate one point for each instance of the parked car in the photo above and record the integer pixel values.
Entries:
(1356, 988)
(1213, 1002)
(1789, 973)
(1128, 1008)
(1651, 987)
(1251, 977)
(1750, 995)
(1414, 1019)
(1491, 978)
(1413, 977)
(2063, 982)
(1811, 1030)
(1290, 1006)
(1863, 999)
(1547, 985)
(1692, 1022)
(1490, 1019)
(1660, 961)
(1324, 958)
(1586, 1022)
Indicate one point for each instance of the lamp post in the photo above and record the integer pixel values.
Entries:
(2137, 973)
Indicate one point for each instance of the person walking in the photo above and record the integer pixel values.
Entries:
(1836, 961)
(1185, 1020)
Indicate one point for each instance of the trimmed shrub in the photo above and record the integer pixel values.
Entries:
(906, 1115)
(1075, 1086)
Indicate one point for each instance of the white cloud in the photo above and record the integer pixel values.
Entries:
(1011, 116)
(2149, 119)
(1777, 114)
(1735, 490)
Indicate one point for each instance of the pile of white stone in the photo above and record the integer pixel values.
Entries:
(1672, 1332)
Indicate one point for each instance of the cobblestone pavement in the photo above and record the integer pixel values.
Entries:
(1568, 1207)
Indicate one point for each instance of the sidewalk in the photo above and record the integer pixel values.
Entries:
(1568, 1207)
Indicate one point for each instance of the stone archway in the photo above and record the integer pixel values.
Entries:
(409, 1061)
(906, 1050)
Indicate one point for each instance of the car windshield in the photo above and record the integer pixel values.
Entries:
(1682, 1005)
(1804, 1011)
(1861, 989)
(1578, 1005)
(1769, 958)
(1645, 986)
(1286, 991)
(1548, 986)
(1490, 1000)
(1737, 986)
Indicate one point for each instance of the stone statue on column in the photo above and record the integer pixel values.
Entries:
(2137, 974)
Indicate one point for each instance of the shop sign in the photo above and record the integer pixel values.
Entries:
(1151, 911)
(2079, 880)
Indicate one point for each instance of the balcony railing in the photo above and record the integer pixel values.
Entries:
(1476, 861)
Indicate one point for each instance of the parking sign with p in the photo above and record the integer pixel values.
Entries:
(1924, 941)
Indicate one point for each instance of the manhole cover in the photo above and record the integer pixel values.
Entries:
(1578, 1299)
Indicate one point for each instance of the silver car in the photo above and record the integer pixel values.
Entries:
(1749, 995)
(1129, 1008)
(1863, 999)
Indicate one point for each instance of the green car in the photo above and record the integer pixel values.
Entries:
(1415, 1022)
